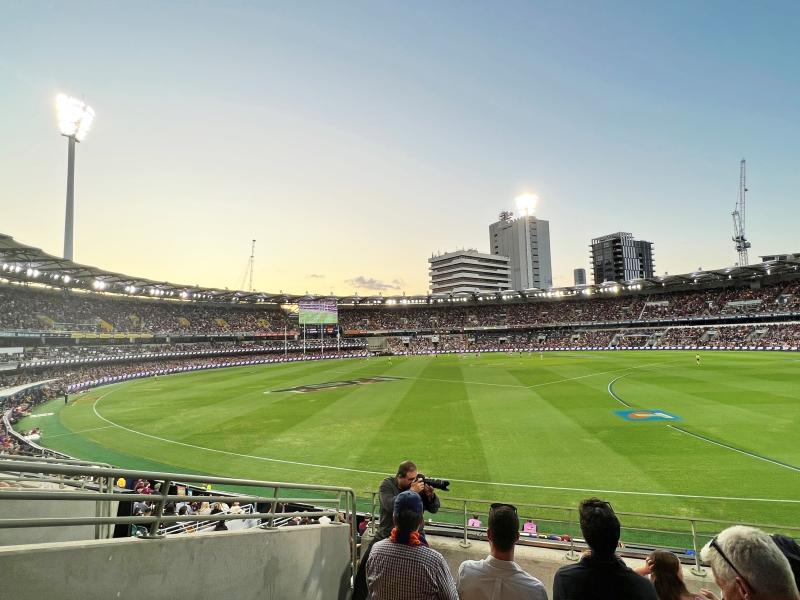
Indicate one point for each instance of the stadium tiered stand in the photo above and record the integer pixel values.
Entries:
(66, 327)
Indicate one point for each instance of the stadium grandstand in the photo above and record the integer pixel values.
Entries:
(66, 328)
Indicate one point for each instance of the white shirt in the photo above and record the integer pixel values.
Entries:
(494, 579)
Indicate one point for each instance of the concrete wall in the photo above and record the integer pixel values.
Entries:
(309, 562)
(540, 562)
(37, 509)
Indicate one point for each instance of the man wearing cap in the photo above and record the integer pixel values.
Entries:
(405, 479)
(403, 566)
(498, 577)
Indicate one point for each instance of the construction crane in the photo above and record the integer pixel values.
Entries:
(739, 239)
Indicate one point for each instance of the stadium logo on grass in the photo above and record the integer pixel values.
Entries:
(317, 387)
(654, 414)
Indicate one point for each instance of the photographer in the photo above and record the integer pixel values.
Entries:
(407, 478)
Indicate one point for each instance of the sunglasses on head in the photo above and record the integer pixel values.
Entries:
(719, 550)
(497, 505)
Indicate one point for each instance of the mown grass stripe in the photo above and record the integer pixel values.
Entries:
(735, 449)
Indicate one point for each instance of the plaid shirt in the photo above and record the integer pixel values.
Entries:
(401, 572)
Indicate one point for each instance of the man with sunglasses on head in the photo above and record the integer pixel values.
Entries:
(748, 565)
(600, 575)
(498, 577)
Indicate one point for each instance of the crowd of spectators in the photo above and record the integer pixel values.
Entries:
(745, 563)
(74, 377)
(581, 309)
(786, 336)
(44, 356)
(42, 310)
(16, 406)
(52, 310)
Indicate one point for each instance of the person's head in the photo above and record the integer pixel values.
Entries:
(666, 575)
(503, 531)
(747, 564)
(600, 526)
(406, 474)
(407, 512)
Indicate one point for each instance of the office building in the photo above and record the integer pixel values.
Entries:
(618, 257)
(468, 271)
(580, 276)
(526, 242)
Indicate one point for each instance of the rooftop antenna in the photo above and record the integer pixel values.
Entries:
(740, 242)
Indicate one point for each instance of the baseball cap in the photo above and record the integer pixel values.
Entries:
(408, 500)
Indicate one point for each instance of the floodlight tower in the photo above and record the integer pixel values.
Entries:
(74, 120)
(739, 240)
(249, 270)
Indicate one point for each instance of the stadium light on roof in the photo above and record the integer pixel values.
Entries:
(526, 203)
(74, 121)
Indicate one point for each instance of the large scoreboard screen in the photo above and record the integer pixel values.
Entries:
(324, 312)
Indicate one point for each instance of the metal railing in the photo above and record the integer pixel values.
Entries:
(248, 509)
(93, 482)
(648, 528)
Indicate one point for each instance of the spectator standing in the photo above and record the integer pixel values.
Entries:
(498, 577)
(600, 575)
(403, 566)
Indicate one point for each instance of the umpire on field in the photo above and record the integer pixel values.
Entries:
(405, 479)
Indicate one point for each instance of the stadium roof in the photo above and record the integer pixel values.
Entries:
(22, 263)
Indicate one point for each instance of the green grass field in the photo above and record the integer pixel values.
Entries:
(517, 429)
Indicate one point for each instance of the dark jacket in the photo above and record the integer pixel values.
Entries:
(388, 491)
(601, 579)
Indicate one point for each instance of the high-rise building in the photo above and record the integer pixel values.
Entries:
(526, 242)
(580, 276)
(468, 271)
(618, 257)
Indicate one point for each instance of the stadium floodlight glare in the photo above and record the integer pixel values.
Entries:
(74, 121)
(74, 117)
(526, 203)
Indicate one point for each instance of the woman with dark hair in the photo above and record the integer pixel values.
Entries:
(665, 572)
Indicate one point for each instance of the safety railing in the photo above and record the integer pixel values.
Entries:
(247, 509)
(265, 496)
(641, 532)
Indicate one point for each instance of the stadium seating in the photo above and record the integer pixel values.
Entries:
(28, 309)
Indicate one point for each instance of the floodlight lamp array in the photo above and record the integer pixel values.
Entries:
(74, 117)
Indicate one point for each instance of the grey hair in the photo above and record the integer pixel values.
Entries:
(758, 559)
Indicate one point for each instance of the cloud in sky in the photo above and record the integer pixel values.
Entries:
(370, 283)
(316, 276)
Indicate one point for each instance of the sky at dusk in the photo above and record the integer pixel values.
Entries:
(353, 139)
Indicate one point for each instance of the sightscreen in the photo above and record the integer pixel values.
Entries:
(318, 313)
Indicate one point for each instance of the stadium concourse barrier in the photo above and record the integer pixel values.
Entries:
(306, 561)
